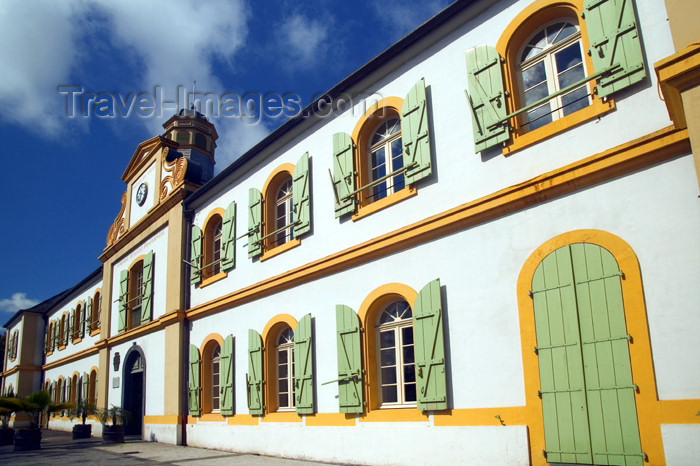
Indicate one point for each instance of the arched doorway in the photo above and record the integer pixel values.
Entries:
(587, 390)
(134, 391)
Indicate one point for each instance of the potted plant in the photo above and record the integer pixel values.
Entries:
(8, 406)
(116, 417)
(29, 438)
(82, 410)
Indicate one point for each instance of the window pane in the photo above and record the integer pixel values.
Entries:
(388, 357)
(283, 400)
(534, 75)
(282, 356)
(566, 31)
(570, 76)
(388, 375)
(378, 160)
(536, 93)
(389, 394)
(539, 116)
(575, 100)
(283, 386)
(282, 371)
(407, 335)
(409, 373)
(408, 357)
(387, 339)
(410, 392)
(553, 33)
(568, 57)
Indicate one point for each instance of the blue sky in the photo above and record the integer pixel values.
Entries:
(62, 174)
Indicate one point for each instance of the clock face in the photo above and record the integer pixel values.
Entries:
(141, 194)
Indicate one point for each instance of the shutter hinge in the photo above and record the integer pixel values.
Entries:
(539, 393)
(530, 293)
(536, 350)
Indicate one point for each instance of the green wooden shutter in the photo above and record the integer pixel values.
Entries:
(350, 393)
(562, 387)
(195, 382)
(255, 212)
(70, 327)
(83, 310)
(344, 174)
(486, 96)
(66, 398)
(123, 297)
(254, 377)
(415, 134)
(54, 336)
(303, 366)
(430, 348)
(226, 379)
(147, 293)
(610, 390)
(196, 255)
(86, 387)
(88, 315)
(614, 38)
(228, 238)
(301, 196)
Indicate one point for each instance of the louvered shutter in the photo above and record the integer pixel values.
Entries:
(614, 38)
(254, 377)
(83, 310)
(147, 292)
(54, 336)
(196, 255)
(228, 238)
(47, 339)
(303, 366)
(86, 387)
(301, 196)
(226, 379)
(255, 211)
(88, 315)
(350, 394)
(71, 327)
(195, 404)
(415, 134)
(66, 394)
(430, 348)
(123, 297)
(343, 174)
(486, 96)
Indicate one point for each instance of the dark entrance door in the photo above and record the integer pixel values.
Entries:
(134, 393)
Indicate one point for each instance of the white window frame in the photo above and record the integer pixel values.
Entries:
(285, 345)
(392, 162)
(396, 327)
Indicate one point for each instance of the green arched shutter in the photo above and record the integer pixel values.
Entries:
(88, 315)
(226, 380)
(196, 255)
(343, 174)
(588, 395)
(415, 134)
(350, 394)
(195, 386)
(147, 292)
(303, 366)
(86, 387)
(486, 97)
(430, 348)
(301, 196)
(614, 38)
(83, 310)
(228, 238)
(254, 377)
(70, 328)
(255, 212)
(123, 297)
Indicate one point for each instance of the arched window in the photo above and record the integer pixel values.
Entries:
(397, 371)
(212, 246)
(551, 60)
(285, 370)
(215, 376)
(385, 154)
(92, 385)
(76, 322)
(95, 315)
(211, 375)
(73, 394)
(283, 213)
(135, 292)
(63, 332)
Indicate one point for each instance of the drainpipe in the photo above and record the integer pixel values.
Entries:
(184, 378)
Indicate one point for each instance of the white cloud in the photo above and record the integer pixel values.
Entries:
(303, 40)
(16, 302)
(402, 16)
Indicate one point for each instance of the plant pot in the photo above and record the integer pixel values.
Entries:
(113, 434)
(28, 439)
(7, 436)
(82, 431)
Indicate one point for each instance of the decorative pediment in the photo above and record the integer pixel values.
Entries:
(146, 152)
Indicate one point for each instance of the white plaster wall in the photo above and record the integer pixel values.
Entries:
(158, 243)
(460, 175)
(9, 364)
(681, 444)
(153, 346)
(148, 177)
(371, 444)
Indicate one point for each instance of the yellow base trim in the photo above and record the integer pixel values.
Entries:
(395, 415)
(213, 279)
(169, 419)
(211, 417)
(679, 411)
(270, 253)
(677, 73)
(243, 420)
(330, 420)
(290, 416)
(479, 417)
(376, 206)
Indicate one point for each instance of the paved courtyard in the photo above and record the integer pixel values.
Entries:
(60, 448)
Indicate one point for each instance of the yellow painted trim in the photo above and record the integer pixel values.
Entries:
(395, 415)
(284, 416)
(206, 349)
(677, 73)
(172, 419)
(393, 198)
(679, 411)
(207, 246)
(270, 253)
(270, 332)
(211, 417)
(243, 420)
(73, 357)
(285, 168)
(368, 313)
(509, 44)
(213, 279)
(640, 347)
(633, 155)
(20, 367)
(274, 180)
(330, 420)
(275, 322)
(209, 338)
